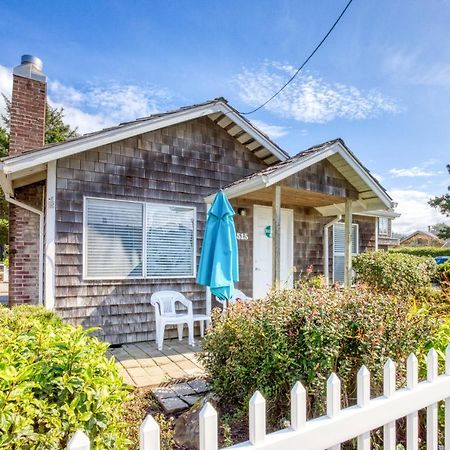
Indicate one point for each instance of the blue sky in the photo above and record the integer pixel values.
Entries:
(381, 82)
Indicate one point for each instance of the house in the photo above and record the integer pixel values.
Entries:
(386, 239)
(422, 239)
(100, 222)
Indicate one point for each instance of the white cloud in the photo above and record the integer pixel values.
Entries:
(415, 67)
(98, 106)
(273, 131)
(415, 171)
(94, 106)
(309, 98)
(5, 86)
(415, 212)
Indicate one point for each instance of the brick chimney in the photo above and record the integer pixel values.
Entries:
(28, 105)
(27, 129)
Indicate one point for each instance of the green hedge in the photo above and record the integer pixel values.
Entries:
(395, 273)
(55, 379)
(422, 251)
(306, 334)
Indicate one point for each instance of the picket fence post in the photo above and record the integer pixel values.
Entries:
(257, 418)
(208, 428)
(149, 434)
(432, 410)
(298, 406)
(412, 420)
(333, 399)
(363, 399)
(79, 441)
(389, 382)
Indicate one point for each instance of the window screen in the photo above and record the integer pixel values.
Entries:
(170, 241)
(339, 249)
(113, 239)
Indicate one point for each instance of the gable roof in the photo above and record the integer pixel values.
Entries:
(371, 191)
(217, 110)
(426, 234)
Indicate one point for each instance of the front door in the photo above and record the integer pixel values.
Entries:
(262, 249)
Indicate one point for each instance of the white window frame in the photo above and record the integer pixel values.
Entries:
(144, 275)
(356, 226)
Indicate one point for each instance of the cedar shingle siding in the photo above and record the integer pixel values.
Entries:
(181, 164)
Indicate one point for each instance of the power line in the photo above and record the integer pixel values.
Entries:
(304, 63)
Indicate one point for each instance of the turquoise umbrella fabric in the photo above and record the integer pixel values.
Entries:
(218, 267)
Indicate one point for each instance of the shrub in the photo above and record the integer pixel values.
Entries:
(55, 379)
(305, 334)
(444, 275)
(422, 251)
(396, 273)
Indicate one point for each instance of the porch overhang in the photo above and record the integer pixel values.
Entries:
(370, 195)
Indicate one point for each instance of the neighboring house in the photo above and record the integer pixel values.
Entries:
(386, 239)
(100, 222)
(422, 239)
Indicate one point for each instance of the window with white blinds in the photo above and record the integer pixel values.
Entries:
(383, 226)
(135, 240)
(339, 249)
(170, 241)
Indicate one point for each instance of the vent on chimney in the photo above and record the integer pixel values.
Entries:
(30, 67)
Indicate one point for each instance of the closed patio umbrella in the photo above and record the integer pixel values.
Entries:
(218, 267)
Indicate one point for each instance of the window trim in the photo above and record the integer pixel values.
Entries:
(144, 204)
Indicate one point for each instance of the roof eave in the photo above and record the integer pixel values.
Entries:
(43, 156)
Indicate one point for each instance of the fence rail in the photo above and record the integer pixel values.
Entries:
(338, 425)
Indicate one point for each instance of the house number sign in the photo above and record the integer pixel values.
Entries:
(242, 236)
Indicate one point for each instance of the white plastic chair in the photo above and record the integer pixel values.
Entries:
(164, 303)
(238, 295)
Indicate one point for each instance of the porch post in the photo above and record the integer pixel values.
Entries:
(348, 244)
(276, 238)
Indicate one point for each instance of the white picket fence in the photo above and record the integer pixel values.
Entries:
(339, 425)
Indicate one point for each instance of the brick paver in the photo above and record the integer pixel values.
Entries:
(142, 364)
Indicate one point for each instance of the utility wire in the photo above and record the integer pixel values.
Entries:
(303, 65)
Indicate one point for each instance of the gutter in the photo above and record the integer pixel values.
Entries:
(326, 273)
(13, 201)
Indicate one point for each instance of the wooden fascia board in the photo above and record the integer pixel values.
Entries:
(43, 156)
(241, 189)
(286, 172)
(368, 210)
(70, 148)
(356, 166)
(5, 182)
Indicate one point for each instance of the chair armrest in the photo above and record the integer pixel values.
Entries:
(188, 303)
(157, 307)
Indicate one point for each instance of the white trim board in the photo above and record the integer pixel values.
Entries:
(50, 232)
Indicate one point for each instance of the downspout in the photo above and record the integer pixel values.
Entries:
(326, 273)
(12, 200)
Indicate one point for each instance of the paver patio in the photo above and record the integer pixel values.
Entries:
(142, 364)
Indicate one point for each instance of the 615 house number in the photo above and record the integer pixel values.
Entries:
(242, 236)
